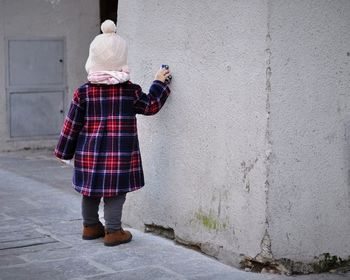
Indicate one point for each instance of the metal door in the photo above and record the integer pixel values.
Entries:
(35, 86)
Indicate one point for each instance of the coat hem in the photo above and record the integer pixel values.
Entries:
(102, 194)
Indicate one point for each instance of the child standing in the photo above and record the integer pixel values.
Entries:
(100, 132)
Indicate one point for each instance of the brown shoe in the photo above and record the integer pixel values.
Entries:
(93, 231)
(117, 237)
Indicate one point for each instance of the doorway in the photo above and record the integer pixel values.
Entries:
(36, 86)
(108, 10)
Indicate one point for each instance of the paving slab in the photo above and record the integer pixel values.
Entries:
(56, 269)
(144, 273)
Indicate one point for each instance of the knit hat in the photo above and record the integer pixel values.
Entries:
(108, 51)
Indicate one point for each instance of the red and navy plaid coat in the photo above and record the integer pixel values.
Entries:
(100, 133)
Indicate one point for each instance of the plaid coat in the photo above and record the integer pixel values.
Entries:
(100, 132)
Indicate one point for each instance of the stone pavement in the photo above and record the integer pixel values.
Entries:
(40, 235)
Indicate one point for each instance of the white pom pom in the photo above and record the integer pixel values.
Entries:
(108, 26)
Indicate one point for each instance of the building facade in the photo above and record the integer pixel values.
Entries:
(44, 46)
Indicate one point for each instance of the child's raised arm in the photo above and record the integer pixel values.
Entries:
(150, 104)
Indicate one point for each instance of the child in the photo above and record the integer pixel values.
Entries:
(100, 133)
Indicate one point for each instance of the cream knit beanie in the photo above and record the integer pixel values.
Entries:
(108, 51)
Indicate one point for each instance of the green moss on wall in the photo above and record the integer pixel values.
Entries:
(210, 222)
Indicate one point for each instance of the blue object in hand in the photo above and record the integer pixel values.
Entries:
(168, 79)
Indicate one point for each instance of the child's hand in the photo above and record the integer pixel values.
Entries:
(65, 161)
(162, 74)
(60, 160)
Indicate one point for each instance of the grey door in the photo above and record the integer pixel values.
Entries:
(35, 86)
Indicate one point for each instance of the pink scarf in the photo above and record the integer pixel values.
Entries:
(109, 77)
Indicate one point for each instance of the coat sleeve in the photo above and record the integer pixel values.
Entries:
(150, 104)
(72, 126)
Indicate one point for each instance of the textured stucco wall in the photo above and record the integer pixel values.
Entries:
(251, 152)
(204, 153)
(75, 20)
(308, 199)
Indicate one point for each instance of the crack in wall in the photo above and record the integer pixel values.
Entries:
(246, 168)
(265, 248)
(266, 241)
(166, 232)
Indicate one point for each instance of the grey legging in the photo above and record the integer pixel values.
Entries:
(113, 207)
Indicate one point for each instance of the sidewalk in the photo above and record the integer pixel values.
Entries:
(40, 235)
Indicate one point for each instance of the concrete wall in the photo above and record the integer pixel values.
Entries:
(250, 155)
(204, 153)
(308, 199)
(77, 21)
